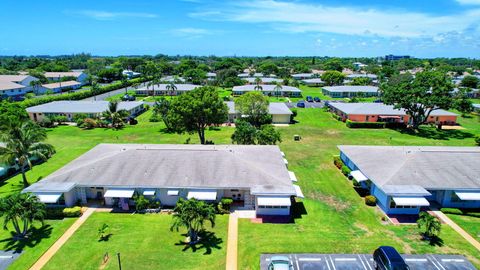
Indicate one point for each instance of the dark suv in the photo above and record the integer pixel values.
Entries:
(387, 258)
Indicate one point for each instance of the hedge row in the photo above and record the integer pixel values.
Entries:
(60, 212)
(352, 124)
(81, 94)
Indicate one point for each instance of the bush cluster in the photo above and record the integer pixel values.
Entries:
(477, 140)
(336, 116)
(370, 200)
(345, 170)
(61, 212)
(72, 212)
(338, 162)
(352, 124)
(224, 205)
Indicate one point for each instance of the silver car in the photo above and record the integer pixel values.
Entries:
(280, 263)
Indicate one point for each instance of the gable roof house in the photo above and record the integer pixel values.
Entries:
(252, 175)
(70, 108)
(15, 85)
(379, 112)
(349, 91)
(280, 113)
(79, 76)
(58, 87)
(406, 178)
(268, 90)
(163, 89)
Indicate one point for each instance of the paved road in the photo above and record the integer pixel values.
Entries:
(365, 262)
(111, 93)
(7, 257)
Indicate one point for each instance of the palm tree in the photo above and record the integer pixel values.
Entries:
(278, 89)
(155, 81)
(115, 116)
(21, 210)
(429, 225)
(35, 85)
(258, 81)
(23, 142)
(192, 214)
(171, 88)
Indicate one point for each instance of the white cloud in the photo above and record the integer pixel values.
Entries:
(191, 32)
(468, 2)
(109, 16)
(301, 17)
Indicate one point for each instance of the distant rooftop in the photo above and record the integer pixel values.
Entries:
(273, 108)
(163, 87)
(377, 108)
(61, 84)
(352, 88)
(7, 85)
(265, 87)
(13, 78)
(80, 106)
(264, 79)
(62, 74)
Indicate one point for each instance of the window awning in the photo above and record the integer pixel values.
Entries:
(298, 191)
(359, 176)
(49, 197)
(203, 195)
(273, 201)
(411, 201)
(119, 193)
(172, 192)
(468, 196)
(292, 176)
(149, 192)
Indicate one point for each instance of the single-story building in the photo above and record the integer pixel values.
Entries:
(349, 91)
(131, 74)
(69, 108)
(245, 75)
(313, 82)
(79, 76)
(268, 90)
(211, 75)
(173, 79)
(163, 89)
(15, 85)
(254, 176)
(406, 178)
(476, 107)
(279, 111)
(379, 112)
(59, 87)
(361, 75)
(303, 76)
(267, 80)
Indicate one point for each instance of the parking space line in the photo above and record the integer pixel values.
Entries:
(436, 263)
(363, 263)
(333, 264)
(453, 260)
(366, 260)
(345, 259)
(296, 262)
(328, 265)
(309, 259)
(415, 260)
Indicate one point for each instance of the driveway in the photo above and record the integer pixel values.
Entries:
(111, 93)
(365, 262)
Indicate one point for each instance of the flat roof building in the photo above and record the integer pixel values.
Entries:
(279, 111)
(349, 91)
(165, 89)
(268, 90)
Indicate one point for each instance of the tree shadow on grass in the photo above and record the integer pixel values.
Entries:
(208, 241)
(436, 134)
(297, 210)
(36, 235)
(435, 241)
(105, 238)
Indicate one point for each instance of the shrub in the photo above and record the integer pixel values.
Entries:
(154, 118)
(338, 162)
(60, 119)
(141, 203)
(370, 200)
(345, 170)
(72, 212)
(477, 140)
(45, 122)
(78, 118)
(293, 115)
(224, 205)
(54, 213)
(352, 124)
(89, 123)
(454, 211)
(338, 117)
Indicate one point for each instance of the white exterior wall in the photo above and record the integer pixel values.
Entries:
(70, 198)
(280, 118)
(271, 210)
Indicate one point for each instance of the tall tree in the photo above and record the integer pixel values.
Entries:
(244, 133)
(268, 135)
(197, 110)
(462, 103)
(162, 108)
(22, 142)
(419, 96)
(333, 77)
(21, 210)
(258, 82)
(278, 89)
(11, 114)
(253, 106)
(470, 81)
(171, 88)
(36, 86)
(114, 115)
(192, 215)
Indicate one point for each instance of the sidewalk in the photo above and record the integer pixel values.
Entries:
(232, 240)
(444, 218)
(42, 261)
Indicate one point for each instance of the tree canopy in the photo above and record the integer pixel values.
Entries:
(470, 81)
(333, 77)
(253, 107)
(21, 210)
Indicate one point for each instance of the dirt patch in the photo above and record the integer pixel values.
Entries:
(331, 201)
(364, 228)
(405, 246)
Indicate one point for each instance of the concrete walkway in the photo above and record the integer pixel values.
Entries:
(232, 240)
(445, 219)
(59, 243)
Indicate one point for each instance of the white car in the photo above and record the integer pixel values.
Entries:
(280, 263)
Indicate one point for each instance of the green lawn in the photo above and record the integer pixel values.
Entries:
(471, 224)
(39, 241)
(144, 242)
(336, 221)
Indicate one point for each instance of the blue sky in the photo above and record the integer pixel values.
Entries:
(422, 28)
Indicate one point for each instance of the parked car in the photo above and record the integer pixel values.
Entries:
(388, 258)
(280, 263)
(316, 99)
(128, 97)
(309, 99)
(378, 101)
(301, 104)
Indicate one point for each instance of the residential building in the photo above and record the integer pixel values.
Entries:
(280, 113)
(254, 176)
(165, 89)
(69, 108)
(79, 76)
(245, 75)
(265, 80)
(303, 76)
(14, 86)
(131, 74)
(406, 178)
(173, 79)
(349, 91)
(391, 57)
(58, 87)
(211, 76)
(268, 90)
(476, 107)
(313, 82)
(379, 112)
(358, 65)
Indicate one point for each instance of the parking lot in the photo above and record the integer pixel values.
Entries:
(6, 258)
(307, 104)
(365, 262)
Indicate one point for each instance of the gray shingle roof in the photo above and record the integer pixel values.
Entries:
(163, 87)
(260, 168)
(273, 108)
(265, 87)
(264, 80)
(352, 88)
(430, 167)
(80, 106)
(371, 76)
(377, 108)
